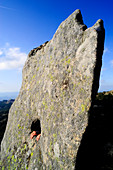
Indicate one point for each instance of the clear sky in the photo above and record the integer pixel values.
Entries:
(26, 24)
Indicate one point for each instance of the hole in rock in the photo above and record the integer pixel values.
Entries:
(35, 126)
(65, 84)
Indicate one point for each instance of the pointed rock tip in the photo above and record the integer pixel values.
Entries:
(99, 25)
(100, 22)
(77, 11)
(78, 16)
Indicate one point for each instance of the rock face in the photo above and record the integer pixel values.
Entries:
(60, 81)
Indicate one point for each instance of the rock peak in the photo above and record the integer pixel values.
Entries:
(78, 16)
(99, 25)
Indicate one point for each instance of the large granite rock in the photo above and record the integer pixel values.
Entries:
(60, 80)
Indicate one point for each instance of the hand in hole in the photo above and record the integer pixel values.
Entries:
(38, 137)
(34, 133)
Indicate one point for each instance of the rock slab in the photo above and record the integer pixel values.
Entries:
(60, 81)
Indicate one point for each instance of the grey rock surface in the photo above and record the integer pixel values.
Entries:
(60, 81)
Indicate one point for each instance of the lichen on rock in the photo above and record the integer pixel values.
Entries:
(59, 83)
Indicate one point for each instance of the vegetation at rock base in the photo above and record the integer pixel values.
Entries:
(97, 142)
(105, 97)
(4, 110)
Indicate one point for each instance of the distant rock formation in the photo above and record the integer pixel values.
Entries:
(4, 110)
(59, 84)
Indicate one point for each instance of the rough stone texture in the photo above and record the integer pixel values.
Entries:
(60, 81)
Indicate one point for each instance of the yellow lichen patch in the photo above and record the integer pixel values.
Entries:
(68, 61)
(19, 126)
(45, 104)
(34, 76)
(83, 107)
(31, 153)
(37, 69)
(51, 77)
(52, 107)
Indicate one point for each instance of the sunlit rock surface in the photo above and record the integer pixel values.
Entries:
(60, 81)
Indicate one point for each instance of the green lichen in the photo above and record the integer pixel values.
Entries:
(52, 107)
(15, 160)
(19, 126)
(38, 159)
(12, 157)
(54, 120)
(8, 150)
(57, 159)
(25, 147)
(83, 107)
(37, 82)
(3, 168)
(49, 153)
(49, 115)
(50, 145)
(74, 86)
(37, 69)
(76, 40)
(68, 61)
(45, 104)
(58, 115)
(51, 77)
(63, 160)
(55, 137)
(49, 128)
(20, 160)
(34, 76)
(81, 90)
(15, 112)
(69, 71)
(50, 167)
(60, 26)
(31, 153)
(26, 167)
(51, 57)
(64, 59)
(50, 63)
(40, 61)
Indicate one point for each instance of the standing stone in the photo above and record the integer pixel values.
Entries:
(60, 80)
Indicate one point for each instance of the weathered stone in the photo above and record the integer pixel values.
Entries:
(59, 84)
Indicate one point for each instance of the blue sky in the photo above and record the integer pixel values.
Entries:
(26, 24)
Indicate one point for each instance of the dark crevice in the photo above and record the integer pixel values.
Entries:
(35, 126)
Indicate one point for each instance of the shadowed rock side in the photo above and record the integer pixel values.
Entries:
(60, 81)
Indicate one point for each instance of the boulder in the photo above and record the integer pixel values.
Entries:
(60, 81)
